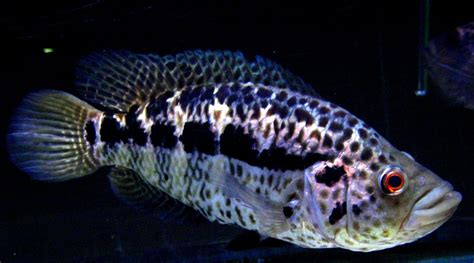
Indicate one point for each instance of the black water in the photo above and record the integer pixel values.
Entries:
(360, 56)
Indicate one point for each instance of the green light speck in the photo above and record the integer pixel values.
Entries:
(48, 50)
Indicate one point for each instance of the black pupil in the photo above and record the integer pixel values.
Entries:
(395, 181)
(287, 211)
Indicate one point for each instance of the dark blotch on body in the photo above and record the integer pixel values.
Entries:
(208, 95)
(324, 110)
(335, 126)
(355, 146)
(264, 93)
(276, 108)
(372, 198)
(331, 176)
(346, 160)
(374, 167)
(235, 143)
(346, 135)
(291, 102)
(248, 99)
(198, 137)
(231, 99)
(327, 141)
(287, 211)
(270, 180)
(256, 111)
(313, 104)
(383, 159)
(356, 210)
(247, 89)
(111, 132)
(373, 141)
(222, 93)
(366, 154)
(290, 131)
(282, 96)
(239, 216)
(370, 189)
(352, 122)
(90, 132)
(323, 121)
(133, 129)
(337, 213)
(339, 145)
(304, 116)
(241, 112)
(339, 114)
(252, 219)
(162, 135)
(362, 133)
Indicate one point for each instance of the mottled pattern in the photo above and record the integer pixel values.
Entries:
(134, 77)
(242, 142)
(200, 118)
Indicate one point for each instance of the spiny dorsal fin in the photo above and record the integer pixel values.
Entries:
(132, 189)
(119, 79)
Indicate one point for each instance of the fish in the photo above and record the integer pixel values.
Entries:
(239, 140)
(449, 60)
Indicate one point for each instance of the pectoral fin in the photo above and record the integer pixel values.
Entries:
(270, 216)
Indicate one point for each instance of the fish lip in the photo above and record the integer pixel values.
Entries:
(433, 208)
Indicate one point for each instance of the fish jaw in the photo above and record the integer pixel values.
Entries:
(433, 209)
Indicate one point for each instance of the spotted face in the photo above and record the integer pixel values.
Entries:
(379, 201)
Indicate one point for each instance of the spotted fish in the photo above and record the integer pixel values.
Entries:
(242, 141)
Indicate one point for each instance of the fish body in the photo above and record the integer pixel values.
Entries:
(242, 142)
(450, 63)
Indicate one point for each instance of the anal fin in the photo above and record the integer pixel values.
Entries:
(131, 188)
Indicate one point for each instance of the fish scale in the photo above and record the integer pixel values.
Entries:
(177, 111)
(302, 125)
(241, 141)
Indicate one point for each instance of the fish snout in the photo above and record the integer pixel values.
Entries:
(434, 208)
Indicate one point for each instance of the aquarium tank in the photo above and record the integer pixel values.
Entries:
(115, 113)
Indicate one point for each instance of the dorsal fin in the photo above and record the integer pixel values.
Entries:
(132, 189)
(119, 79)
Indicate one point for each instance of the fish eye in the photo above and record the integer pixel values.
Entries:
(393, 181)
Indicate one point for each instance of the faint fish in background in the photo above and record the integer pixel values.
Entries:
(241, 141)
(450, 63)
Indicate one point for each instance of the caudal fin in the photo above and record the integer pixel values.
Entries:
(51, 136)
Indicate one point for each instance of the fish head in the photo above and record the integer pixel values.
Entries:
(453, 48)
(398, 203)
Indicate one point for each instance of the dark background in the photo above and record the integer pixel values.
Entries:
(360, 55)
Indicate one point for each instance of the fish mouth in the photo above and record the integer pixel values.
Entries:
(434, 208)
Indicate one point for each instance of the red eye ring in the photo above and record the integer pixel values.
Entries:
(393, 181)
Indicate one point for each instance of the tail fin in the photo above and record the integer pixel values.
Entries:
(51, 136)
